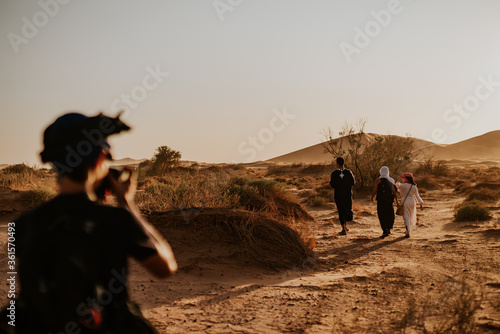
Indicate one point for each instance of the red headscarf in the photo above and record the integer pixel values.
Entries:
(406, 175)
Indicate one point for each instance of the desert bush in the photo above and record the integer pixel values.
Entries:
(247, 196)
(316, 200)
(426, 182)
(181, 190)
(218, 190)
(307, 193)
(35, 197)
(325, 188)
(433, 167)
(321, 195)
(460, 185)
(215, 169)
(146, 163)
(317, 169)
(267, 196)
(279, 170)
(483, 194)
(22, 169)
(164, 159)
(471, 211)
(454, 312)
(488, 185)
(253, 237)
(488, 175)
(10, 181)
(235, 166)
(23, 177)
(366, 156)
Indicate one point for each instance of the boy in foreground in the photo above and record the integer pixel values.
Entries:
(72, 251)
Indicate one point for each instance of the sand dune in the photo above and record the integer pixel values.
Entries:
(126, 162)
(484, 149)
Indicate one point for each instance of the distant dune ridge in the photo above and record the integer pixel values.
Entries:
(483, 148)
(126, 162)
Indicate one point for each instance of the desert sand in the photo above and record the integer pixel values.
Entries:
(357, 283)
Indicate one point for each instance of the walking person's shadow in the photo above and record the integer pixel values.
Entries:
(359, 248)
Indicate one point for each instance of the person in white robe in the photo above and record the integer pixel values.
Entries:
(409, 196)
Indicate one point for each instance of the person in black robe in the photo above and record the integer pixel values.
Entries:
(342, 181)
(386, 192)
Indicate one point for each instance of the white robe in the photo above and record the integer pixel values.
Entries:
(410, 207)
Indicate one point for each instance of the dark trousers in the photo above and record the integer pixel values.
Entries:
(344, 206)
(385, 212)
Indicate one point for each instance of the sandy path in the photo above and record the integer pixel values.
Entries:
(361, 283)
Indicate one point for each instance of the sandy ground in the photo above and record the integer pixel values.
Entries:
(361, 283)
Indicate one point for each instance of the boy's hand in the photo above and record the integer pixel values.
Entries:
(124, 187)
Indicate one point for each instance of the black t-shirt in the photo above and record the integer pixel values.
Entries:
(342, 181)
(72, 259)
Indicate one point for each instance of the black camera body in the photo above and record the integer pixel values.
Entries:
(105, 187)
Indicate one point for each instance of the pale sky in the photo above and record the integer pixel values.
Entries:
(429, 68)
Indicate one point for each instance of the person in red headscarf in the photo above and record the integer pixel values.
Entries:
(409, 192)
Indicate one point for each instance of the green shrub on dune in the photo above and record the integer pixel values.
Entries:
(472, 211)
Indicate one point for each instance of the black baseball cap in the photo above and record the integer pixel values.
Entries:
(75, 138)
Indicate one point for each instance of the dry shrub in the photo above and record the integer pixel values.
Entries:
(265, 195)
(483, 194)
(23, 177)
(488, 185)
(182, 190)
(491, 174)
(35, 197)
(316, 200)
(427, 183)
(321, 195)
(326, 191)
(453, 312)
(307, 193)
(299, 182)
(433, 167)
(316, 169)
(253, 237)
(284, 169)
(461, 185)
(218, 190)
(279, 170)
(20, 169)
(235, 166)
(471, 211)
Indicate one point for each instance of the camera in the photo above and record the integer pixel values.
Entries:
(105, 187)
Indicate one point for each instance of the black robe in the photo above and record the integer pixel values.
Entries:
(342, 181)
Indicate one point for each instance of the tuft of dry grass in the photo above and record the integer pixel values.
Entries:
(472, 210)
(265, 195)
(254, 237)
(183, 190)
(317, 169)
(316, 200)
(433, 167)
(282, 169)
(218, 190)
(23, 177)
(483, 194)
(36, 197)
(455, 312)
(427, 183)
